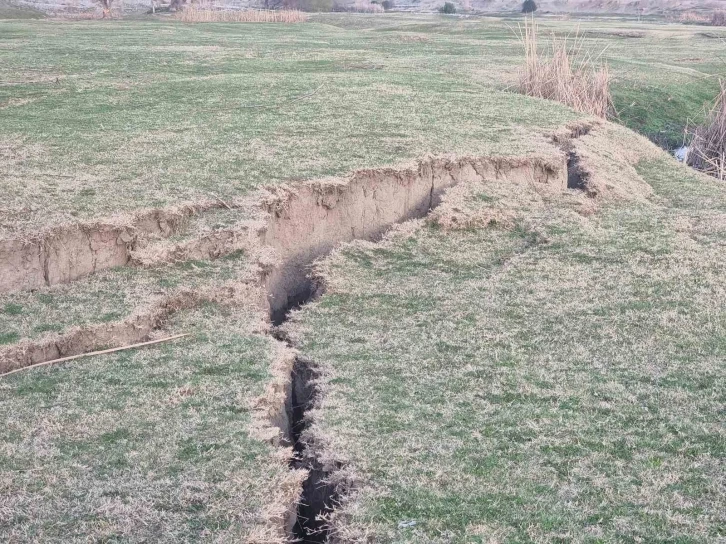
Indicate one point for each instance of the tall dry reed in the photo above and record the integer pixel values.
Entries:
(211, 14)
(692, 17)
(563, 72)
(708, 145)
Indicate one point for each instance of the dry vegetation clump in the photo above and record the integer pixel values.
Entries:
(565, 74)
(692, 17)
(364, 6)
(212, 14)
(717, 18)
(708, 147)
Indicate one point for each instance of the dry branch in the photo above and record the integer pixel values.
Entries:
(101, 352)
(708, 146)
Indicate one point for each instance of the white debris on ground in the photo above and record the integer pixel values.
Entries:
(681, 154)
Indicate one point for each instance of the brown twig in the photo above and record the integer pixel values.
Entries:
(101, 352)
(222, 202)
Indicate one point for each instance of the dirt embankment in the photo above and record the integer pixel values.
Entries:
(66, 253)
(299, 224)
(285, 228)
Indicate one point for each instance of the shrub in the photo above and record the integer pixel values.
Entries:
(365, 6)
(565, 75)
(692, 17)
(719, 18)
(708, 145)
(529, 6)
(448, 7)
(388, 4)
(315, 5)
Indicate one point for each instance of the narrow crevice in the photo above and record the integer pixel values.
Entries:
(305, 290)
(318, 495)
(576, 175)
(309, 224)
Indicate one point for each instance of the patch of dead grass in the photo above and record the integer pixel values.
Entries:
(565, 74)
(207, 13)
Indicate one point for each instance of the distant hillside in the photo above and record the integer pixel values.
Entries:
(645, 7)
(606, 6)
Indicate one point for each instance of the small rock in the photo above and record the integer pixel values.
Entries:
(681, 154)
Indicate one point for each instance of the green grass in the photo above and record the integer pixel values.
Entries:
(149, 444)
(558, 377)
(558, 382)
(107, 116)
(109, 296)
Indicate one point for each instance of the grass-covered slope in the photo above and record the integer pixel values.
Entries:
(532, 371)
(108, 116)
(525, 365)
(102, 117)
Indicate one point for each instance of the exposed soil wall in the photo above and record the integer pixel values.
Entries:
(70, 252)
(302, 223)
(308, 221)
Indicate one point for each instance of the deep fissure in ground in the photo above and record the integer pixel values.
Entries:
(576, 175)
(318, 496)
(366, 209)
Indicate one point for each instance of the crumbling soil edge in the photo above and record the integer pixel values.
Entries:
(138, 327)
(307, 221)
(68, 252)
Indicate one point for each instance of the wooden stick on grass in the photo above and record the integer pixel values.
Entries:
(101, 352)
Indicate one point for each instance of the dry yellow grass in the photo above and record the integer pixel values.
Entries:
(708, 148)
(692, 17)
(364, 6)
(564, 74)
(211, 14)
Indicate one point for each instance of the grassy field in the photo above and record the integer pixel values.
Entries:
(527, 364)
(102, 117)
(558, 379)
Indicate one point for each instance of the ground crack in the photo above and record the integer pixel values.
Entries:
(319, 495)
(301, 230)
